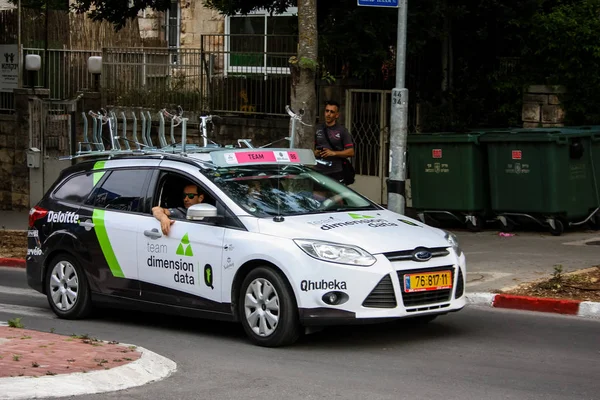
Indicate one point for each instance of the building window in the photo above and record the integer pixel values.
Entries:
(173, 26)
(259, 43)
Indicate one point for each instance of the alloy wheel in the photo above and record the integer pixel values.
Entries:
(261, 306)
(64, 286)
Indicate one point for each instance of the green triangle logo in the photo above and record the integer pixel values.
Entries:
(359, 216)
(185, 239)
(185, 248)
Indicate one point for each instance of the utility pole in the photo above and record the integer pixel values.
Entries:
(399, 121)
(19, 43)
(46, 66)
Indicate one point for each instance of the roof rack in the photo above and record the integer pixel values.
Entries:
(98, 146)
(221, 156)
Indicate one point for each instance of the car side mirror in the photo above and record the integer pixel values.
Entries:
(200, 211)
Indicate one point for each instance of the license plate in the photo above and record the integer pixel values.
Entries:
(427, 281)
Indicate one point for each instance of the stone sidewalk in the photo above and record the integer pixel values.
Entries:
(36, 364)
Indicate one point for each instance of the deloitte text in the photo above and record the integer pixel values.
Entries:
(68, 217)
(181, 267)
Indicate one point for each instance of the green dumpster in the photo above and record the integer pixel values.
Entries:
(546, 175)
(448, 177)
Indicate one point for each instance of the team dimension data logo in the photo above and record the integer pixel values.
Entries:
(184, 271)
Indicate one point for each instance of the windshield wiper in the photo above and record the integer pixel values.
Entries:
(348, 208)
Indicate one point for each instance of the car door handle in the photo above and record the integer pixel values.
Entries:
(154, 233)
(87, 224)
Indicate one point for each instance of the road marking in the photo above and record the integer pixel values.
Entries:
(20, 291)
(26, 311)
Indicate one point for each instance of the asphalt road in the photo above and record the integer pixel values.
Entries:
(478, 353)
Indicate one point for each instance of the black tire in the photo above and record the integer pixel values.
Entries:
(286, 329)
(63, 273)
(558, 229)
(477, 226)
(509, 227)
(594, 222)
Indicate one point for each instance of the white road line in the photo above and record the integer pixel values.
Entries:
(20, 291)
(26, 311)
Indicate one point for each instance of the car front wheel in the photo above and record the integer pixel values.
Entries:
(267, 309)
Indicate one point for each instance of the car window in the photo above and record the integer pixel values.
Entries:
(122, 190)
(170, 193)
(75, 189)
(293, 190)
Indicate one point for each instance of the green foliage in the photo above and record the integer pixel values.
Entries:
(117, 12)
(567, 52)
(41, 4)
(308, 63)
(15, 323)
(231, 7)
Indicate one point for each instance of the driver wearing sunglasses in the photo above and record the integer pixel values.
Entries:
(191, 195)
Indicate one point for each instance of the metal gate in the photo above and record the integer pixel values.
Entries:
(51, 125)
(367, 119)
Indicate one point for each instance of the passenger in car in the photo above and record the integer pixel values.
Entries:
(191, 195)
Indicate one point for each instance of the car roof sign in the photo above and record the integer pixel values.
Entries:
(254, 156)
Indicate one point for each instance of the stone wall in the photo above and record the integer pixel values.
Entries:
(14, 175)
(542, 108)
(196, 20)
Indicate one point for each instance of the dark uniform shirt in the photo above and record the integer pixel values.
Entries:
(340, 139)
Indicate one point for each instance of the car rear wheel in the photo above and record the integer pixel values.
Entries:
(67, 288)
(267, 309)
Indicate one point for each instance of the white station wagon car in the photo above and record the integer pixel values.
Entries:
(274, 244)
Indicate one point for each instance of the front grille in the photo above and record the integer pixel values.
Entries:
(382, 296)
(427, 308)
(408, 254)
(460, 285)
(428, 297)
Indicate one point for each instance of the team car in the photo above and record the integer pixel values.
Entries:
(274, 244)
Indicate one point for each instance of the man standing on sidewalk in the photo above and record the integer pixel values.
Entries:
(333, 143)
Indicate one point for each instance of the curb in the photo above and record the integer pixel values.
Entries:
(587, 309)
(150, 367)
(13, 262)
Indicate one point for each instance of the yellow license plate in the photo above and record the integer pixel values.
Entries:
(427, 281)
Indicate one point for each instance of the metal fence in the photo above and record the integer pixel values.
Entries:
(233, 74)
(153, 78)
(248, 74)
(228, 74)
(7, 103)
(64, 72)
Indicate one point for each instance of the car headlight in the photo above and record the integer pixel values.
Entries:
(336, 253)
(453, 241)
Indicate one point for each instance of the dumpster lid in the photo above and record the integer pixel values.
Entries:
(559, 134)
(471, 136)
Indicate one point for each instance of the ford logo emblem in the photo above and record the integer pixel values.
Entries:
(422, 255)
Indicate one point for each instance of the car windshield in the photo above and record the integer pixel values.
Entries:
(286, 190)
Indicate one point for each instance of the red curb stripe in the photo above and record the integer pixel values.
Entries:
(570, 307)
(12, 262)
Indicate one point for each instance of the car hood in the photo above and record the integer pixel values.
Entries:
(377, 231)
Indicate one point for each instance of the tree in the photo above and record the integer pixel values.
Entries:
(117, 12)
(41, 4)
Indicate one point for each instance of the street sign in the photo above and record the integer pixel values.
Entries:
(9, 67)
(379, 3)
